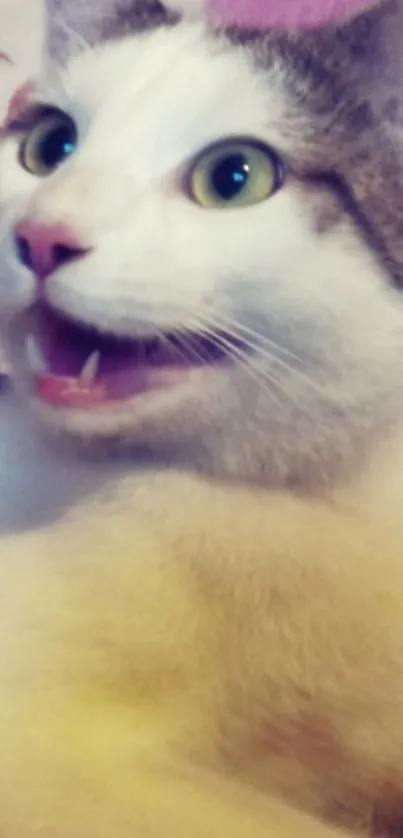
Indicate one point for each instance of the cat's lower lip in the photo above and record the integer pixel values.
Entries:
(65, 391)
(76, 366)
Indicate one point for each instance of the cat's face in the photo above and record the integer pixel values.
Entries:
(201, 252)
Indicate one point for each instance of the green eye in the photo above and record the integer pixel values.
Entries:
(235, 173)
(52, 139)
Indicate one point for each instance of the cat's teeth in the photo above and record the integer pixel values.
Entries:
(89, 371)
(36, 360)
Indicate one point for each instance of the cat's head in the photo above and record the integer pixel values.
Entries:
(202, 246)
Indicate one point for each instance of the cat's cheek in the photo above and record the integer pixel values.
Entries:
(16, 185)
(17, 291)
(17, 285)
(17, 288)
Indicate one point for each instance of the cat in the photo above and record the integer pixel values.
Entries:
(201, 295)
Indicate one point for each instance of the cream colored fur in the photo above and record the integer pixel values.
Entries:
(124, 644)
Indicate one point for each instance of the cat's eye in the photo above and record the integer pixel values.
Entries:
(235, 173)
(49, 142)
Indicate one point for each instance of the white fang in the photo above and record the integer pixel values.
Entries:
(89, 371)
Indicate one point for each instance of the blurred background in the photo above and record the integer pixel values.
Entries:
(21, 23)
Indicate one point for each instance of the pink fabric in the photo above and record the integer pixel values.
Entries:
(284, 14)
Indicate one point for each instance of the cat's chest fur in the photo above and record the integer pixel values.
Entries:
(255, 632)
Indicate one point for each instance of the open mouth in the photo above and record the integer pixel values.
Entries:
(74, 365)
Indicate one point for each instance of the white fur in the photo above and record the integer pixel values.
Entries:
(330, 333)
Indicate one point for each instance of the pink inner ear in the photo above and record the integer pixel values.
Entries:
(284, 14)
(19, 100)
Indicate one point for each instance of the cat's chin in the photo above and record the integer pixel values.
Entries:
(162, 422)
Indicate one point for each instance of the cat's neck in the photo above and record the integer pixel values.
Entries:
(40, 483)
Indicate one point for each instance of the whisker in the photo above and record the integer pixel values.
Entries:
(271, 356)
(262, 378)
(249, 363)
(241, 328)
(187, 341)
(171, 346)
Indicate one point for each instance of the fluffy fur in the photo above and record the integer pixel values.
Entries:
(234, 601)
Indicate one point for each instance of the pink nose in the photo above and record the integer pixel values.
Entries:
(45, 248)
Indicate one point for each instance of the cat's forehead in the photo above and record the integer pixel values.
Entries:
(309, 80)
(179, 84)
(71, 24)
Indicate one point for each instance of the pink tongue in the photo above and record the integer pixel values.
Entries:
(70, 392)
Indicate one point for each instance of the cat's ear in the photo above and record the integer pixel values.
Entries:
(73, 24)
(70, 24)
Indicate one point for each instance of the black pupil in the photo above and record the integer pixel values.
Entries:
(57, 144)
(230, 176)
